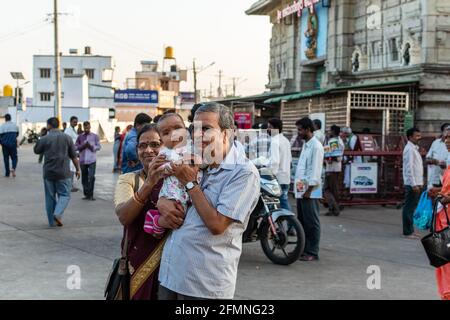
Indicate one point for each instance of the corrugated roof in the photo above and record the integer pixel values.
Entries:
(312, 93)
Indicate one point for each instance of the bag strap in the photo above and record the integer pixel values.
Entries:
(135, 189)
(433, 223)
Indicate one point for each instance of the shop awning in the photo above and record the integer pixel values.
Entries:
(312, 93)
(297, 96)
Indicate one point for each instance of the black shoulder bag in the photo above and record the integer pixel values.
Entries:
(437, 243)
(118, 283)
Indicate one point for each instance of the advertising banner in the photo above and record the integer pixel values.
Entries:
(364, 178)
(244, 119)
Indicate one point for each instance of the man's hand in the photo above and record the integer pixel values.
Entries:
(417, 189)
(78, 174)
(185, 173)
(172, 213)
(132, 164)
(307, 194)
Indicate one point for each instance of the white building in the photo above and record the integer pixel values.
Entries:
(86, 86)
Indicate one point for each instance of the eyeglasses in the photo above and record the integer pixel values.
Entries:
(153, 145)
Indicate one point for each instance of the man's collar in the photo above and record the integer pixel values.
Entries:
(413, 144)
(310, 141)
(230, 161)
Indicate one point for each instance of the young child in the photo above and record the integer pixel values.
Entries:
(176, 146)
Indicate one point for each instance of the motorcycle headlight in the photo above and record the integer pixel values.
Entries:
(274, 188)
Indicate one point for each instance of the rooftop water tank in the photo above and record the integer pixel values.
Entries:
(8, 91)
(169, 53)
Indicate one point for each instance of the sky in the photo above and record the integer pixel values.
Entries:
(134, 30)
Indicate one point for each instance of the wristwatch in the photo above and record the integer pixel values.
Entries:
(191, 185)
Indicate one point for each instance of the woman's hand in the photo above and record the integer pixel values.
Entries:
(433, 192)
(171, 213)
(445, 199)
(155, 170)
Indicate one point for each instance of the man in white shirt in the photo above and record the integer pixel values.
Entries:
(437, 158)
(318, 131)
(280, 159)
(308, 189)
(412, 179)
(350, 142)
(333, 169)
(71, 131)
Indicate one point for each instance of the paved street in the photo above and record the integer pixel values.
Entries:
(34, 258)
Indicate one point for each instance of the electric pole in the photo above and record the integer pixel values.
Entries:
(219, 90)
(234, 86)
(57, 64)
(195, 81)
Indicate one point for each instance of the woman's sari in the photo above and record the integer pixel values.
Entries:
(443, 273)
(144, 253)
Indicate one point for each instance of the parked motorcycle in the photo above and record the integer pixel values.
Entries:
(30, 136)
(281, 234)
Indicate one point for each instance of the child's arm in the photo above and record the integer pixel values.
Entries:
(151, 225)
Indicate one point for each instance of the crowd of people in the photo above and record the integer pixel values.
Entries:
(185, 194)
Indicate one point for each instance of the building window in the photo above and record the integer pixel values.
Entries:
(45, 96)
(90, 73)
(394, 49)
(45, 72)
(68, 72)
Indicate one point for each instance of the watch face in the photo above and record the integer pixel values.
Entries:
(189, 185)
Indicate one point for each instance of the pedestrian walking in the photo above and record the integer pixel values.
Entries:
(280, 159)
(437, 157)
(412, 180)
(200, 259)
(116, 147)
(58, 151)
(130, 161)
(333, 169)
(8, 139)
(308, 180)
(72, 132)
(88, 144)
(42, 134)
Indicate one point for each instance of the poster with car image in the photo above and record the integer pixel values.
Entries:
(364, 178)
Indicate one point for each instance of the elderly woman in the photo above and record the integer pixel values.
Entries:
(135, 194)
(443, 273)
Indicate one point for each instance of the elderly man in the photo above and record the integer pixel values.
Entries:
(200, 259)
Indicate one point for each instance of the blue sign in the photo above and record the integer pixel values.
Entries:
(314, 32)
(136, 96)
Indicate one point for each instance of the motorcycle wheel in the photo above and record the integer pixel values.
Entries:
(289, 246)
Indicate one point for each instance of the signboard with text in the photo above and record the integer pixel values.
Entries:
(243, 119)
(136, 96)
(364, 178)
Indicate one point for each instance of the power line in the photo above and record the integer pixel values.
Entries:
(117, 39)
(25, 31)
